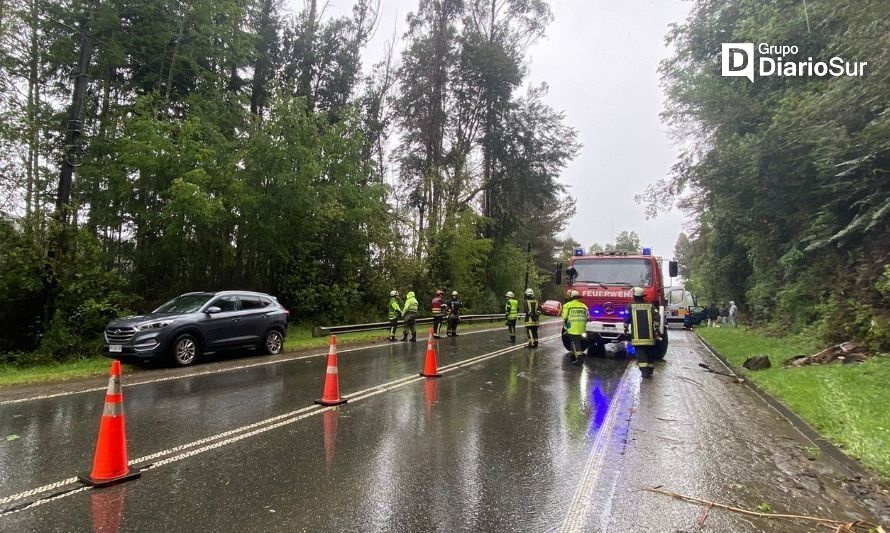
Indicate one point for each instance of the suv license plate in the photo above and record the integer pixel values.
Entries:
(115, 348)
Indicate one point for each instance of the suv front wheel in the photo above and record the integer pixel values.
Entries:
(273, 343)
(185, 350)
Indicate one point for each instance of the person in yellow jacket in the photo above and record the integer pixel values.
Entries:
(394, 312)
(409, 312)
(574, 316)
(532, 317)
(511, 313)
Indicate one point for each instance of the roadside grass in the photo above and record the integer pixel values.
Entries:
(848, 404)
(80, 368)
(298, 337)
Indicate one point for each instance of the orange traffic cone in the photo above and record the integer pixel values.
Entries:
(110, 462)
(331, 393)
(430, 369)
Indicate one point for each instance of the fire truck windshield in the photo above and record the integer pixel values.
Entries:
(614, 271)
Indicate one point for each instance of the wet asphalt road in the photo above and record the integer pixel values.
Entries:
(515, 441)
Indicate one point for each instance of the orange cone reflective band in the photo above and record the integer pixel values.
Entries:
(331, 393)
(430, 369)
(110, 462)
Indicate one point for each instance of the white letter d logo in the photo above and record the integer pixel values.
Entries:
(738, 60)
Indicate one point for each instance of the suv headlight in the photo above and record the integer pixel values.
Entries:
(154, 325)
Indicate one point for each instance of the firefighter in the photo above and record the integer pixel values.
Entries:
(437, 304)
(532, 314)
(511, 313)
(574, 316)
(453, 314)
(641, 318)
(394, 313)
(409, 311)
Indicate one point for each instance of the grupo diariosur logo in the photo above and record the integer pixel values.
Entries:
(738, 60)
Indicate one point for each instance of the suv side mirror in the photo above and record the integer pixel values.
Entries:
(213, 310)
(673, 269)
(557, 274)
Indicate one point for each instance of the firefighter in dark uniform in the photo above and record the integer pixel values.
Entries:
(532, 316)
(394, 312)
(511, 313)
(437, 305)
(640, 323)
(452, 308)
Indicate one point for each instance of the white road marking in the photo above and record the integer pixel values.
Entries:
(256, 428)
(576, 516)
(215, 371)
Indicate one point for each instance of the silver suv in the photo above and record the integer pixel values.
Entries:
(198, 322)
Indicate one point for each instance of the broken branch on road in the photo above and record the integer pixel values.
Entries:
(712, 371)
(839, 525)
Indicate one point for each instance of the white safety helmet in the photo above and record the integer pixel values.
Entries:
(393, 293)
(453, 293)
(529, 292)
(638, 291)
(509, 294)
(574, 294)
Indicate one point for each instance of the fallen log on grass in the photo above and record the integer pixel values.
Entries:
(846, 352)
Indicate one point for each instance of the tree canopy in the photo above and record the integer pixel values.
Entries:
(786, 177)
(228, 144)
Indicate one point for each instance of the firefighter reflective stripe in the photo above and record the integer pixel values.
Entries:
(646, 365)
(531, 312)
(642, 334)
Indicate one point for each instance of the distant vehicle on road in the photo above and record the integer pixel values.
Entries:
(679, 303)
(198, 322)
(552, 307)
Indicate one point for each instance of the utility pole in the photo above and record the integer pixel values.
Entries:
(73, 131)
(528, 253)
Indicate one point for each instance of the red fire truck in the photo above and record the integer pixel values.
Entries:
(605, 281)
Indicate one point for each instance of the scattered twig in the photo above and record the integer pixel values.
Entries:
(666, 419)
(712, 371)
(850, 526)
(704, 516)
(691, 381)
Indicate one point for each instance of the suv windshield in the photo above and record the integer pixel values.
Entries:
(617, 271)
(187, 303)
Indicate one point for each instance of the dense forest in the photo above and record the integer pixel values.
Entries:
(787, 179)
(153, 148)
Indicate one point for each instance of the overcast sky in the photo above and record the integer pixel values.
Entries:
(600, 59)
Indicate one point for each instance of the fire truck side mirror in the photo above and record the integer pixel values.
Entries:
(571, 273)
(557, 274)
(673, 269)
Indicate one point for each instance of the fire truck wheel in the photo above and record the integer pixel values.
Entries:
(661, 347)
(566, 343)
